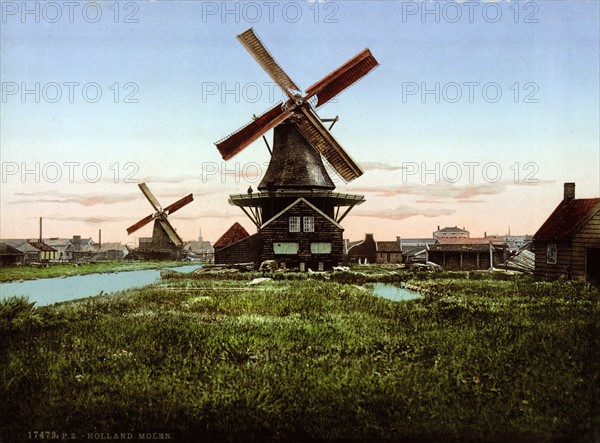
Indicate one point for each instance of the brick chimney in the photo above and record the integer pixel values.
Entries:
(569, 192)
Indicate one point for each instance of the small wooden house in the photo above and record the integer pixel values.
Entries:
(389, 251)
(567, 245)
(301, 236)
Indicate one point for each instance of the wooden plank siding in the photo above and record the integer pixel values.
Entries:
(243, 251)
(587, 237)
(325, 231)
(571, 253)
(561, 268)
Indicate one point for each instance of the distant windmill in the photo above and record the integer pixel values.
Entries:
(165, 243)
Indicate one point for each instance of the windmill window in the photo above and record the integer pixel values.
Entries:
(320, 248)
(286, 248)
(309, 224)
(294, 224)
(551, 254)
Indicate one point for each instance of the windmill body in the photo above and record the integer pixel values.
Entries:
(296, 209)
(165, 243)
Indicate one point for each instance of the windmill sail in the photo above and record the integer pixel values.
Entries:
(342, 78)
(310, 124)
(264, 58)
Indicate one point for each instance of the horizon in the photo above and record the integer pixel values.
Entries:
(476, 115)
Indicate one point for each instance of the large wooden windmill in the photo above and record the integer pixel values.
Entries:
(296, 211)
(165, 243)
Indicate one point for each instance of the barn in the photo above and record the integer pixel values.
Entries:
(567, 245)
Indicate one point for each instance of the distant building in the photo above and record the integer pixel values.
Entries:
(80, 248)
(364, 251)
(31, 254)
(46, 253)
(567, 245)
(200, 248)
(414, 250)
(450, 232)
(109, 251)
(389, 251)
(467, 254)
(9, 255)
(62, 246)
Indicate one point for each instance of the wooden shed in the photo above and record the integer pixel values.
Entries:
(9, 255)
(567, 245)
(467, 254)
(389, 251)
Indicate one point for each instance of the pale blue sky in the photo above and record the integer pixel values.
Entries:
(177, 51)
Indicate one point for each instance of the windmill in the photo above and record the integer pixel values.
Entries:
(165, 242)
(301, 107)
(296, 171)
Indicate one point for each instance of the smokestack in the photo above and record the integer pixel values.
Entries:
(100, 237)
(569, 192)
(40, 230)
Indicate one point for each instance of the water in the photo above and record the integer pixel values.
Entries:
(47, 291)
(394, 293)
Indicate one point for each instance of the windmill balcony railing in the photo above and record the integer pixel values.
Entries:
(235, 199)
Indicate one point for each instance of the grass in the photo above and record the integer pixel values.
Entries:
(297, 358)
(66, 269)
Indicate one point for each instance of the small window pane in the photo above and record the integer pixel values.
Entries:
(294, 224)
(285, 248)
(320, 248)
(309, 224)
(551, 253)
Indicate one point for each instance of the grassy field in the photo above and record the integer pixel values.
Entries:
(296, 359)
(65, 269)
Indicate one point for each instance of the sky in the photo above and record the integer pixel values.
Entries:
(476, 115)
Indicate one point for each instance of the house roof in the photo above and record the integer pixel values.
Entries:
(498, 241)
(42, 246)
(388, 246)
(235, 233)
(568, 218)
(360, 246)
(303, 200)
(477, 247)
(57, 241)
(105, 247)
(6, 249)
(452, 229)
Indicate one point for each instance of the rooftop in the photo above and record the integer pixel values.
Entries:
(568, 218)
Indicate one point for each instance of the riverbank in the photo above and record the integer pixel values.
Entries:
(32, 272)
(303, 357)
